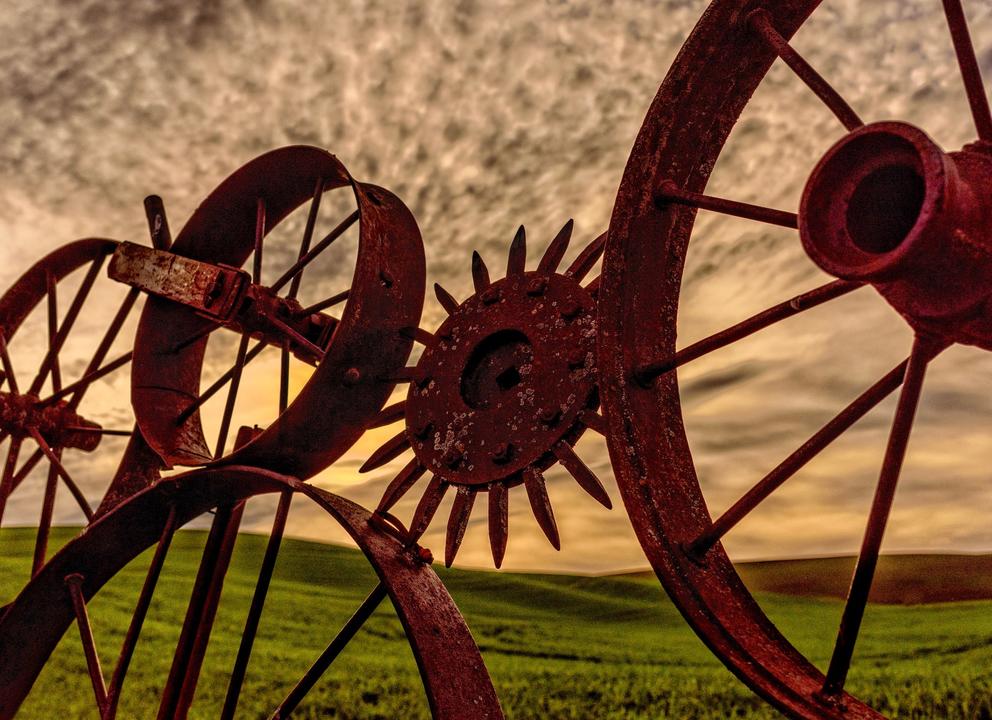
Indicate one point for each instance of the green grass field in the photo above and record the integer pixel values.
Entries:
(556, 646)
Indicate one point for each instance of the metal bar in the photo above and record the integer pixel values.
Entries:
(88, 378)
(670, 193)
(324, 304)
(232, 395)
(804, 301)
(256, 267)
(138, 618)
(327, 657)
(45, 521)
(283, 381)
(53, 329)
(761, 21)
(7, 481)
(158, 223)
(8, 367)
(317, 249)
(206, 622)
(74, 583)
(24, 471)
(257, 604)
(56, 461)
(212, 550)
(100, 354)
(924, 350)
(67, 323)
(219, 383)
(971, 74)
(318, 193)
(99, 430)
(297, 337)
(792, 464)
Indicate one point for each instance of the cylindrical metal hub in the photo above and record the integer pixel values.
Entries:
(886, 205)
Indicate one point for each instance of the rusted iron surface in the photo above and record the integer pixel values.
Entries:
(355, 354)
(503, 390)
(454, 676)
(885, 207)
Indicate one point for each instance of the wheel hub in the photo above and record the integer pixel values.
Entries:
(887, 206)
(57, 423)
(512, 370)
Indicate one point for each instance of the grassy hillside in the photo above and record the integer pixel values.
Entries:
(556, 646)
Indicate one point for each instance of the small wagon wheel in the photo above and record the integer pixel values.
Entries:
(49, 407)
(454, 676)
(885, 206)
(352, 354)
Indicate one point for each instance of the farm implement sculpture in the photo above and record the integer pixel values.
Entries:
(502, 391)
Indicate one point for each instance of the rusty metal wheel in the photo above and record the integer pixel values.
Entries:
(886, 207)
(199, 293)
(502, 391)
(454, 676)
(54, 409)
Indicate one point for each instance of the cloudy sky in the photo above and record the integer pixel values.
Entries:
(483, 116)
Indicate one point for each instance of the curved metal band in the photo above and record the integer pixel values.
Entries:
(31, 287)
(387, 295)
(33, 624)
(717, 70)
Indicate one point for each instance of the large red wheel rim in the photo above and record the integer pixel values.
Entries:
(639, 304)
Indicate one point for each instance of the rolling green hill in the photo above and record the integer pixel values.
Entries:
(556, 646)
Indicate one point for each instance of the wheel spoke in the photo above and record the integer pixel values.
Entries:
(138, 618)
(255, 610)
(25, 470)
(8, 367)
(45, 521)
(53, 329)
(805, 301)
(318, 193)
(671, 194)
(971, 74)
(324, 304)
(70, 319)
(232, 395)
(188, 659)
(761, 21)
(74, 583)
(56, 461)
(797, 460)
(81, 385)
(317, 249)
(219, 383)
(256, 266)
(924, 350)
(341, 640)
(7, 484)
(283, 381)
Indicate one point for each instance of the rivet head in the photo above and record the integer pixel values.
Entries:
(537, 286)
(502, 452)
(351, 377)
(490, 295)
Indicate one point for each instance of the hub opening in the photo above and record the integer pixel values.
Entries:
(884, 207)
(495, 367)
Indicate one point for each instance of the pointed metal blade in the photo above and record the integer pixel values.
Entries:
(585, 477)
(480, 273)
(461, 511)
(427, 507)
(392, 448)
(556, 250)
(444, 297)
(592, 252)
(540, 503)
(389, 414)
(516, 263)
(401, 484)
(499, 520)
